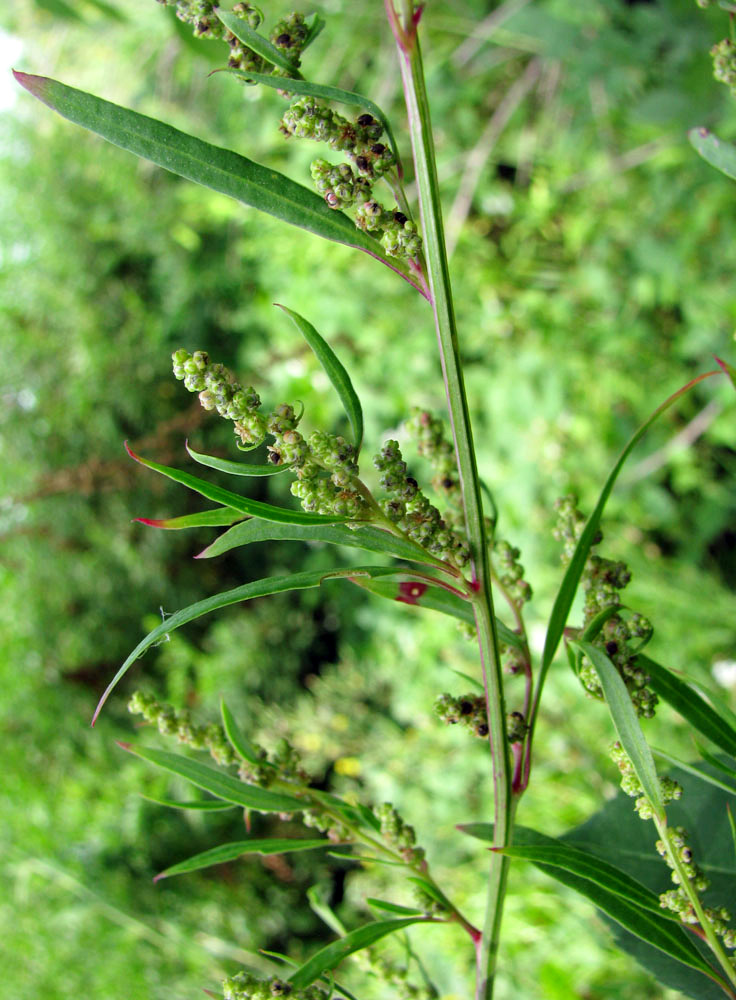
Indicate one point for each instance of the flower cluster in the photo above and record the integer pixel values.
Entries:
(338, 492)
(171, 722)
(630, 783)
(469, 709)
(345, 186)
(408, 508)
(399, 834)
(511, 572)
(677, 899)
(723, 54)
(428, 432)
(603, 580)
(245, 986)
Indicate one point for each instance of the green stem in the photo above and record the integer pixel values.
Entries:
(404, 28)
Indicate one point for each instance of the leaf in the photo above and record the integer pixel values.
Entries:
(329, 94)
(259, 588)
(732, 824)
(315, 29)
(569, 585)
(616, 834)
(238, 849)
(382, 904)
(627, 725)
(716, 762)
(471, 680)
(335, 372)
(691, 706)
(204, 805)
(364, 537)
(236, 468)
(630, 903)
(216, 168)
(239, 742)
(721, 155)
(243, 504)
(218, 783)
(728, 369)
(256, 42)
(204, 519)
(701, 775)
(331, 956)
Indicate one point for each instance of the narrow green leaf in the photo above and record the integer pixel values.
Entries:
(319, 904)
(203, 805)
(329, 957)
(382, 904)
(474, 682)
(235, 468)
(691, 706)
(728, 369)
(619, 895)
(216, 168)
(721, 155)
(315, 29)
(697, 773)
(256, 42)
(259, 588)
(368, 859)
(627, 725)
(215, 518)
(238, 849)
(335, 372)
(366, 537)
(714, 761)
(732, 824)
(243, 504)
(218, 783)
(238, 740)
(569, 585)
(327, 93)
(430, 889)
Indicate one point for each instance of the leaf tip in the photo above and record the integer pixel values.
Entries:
(36, 85)
(131, 453)
(157, 878)
(124, 746)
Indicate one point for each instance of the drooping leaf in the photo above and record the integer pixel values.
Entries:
(259, 588)
(215, 518)
(236, 468)
(238, 849)
(330, 957)
(627, 724)
(691, 706)
(623, 898)
(250, 38)
(721, 155)
(383, 904)
(328, 94)
(335, 371)
(243, 504)
(203, 805)
(218, 783)
(238, 740)
(216, 168)
(571, 579)
(366, 537)
(701, 775)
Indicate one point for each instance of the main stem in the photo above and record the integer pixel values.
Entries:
(417, 105)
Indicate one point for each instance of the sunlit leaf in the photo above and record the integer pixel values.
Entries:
(335, 372)
(215, 518)
(382, 904)
(701, 775)
(203, 805)
(238, 849)
(627, 724)
(721, 155)
(238, 740)
(236, 468)
(218, 783)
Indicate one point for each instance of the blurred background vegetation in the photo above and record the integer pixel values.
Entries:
(593, 262)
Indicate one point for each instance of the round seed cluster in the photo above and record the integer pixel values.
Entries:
(339, 185)
(171, 722)
(511, 572)
(428, 432)
(398, 834)
(246, 986)
(630, 784)
(603, 580)
(724, 63)
(289, 36)
(468, 709)
(397, 233)
(677, 899)
(408, 508)
(201, 15)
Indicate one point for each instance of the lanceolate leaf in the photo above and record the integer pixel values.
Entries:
(218, 783)
(621, 897)
(204, 519)
(721, 155)
(331, 956)
(216, 168)
(328, 94)
(256, 42)
(691, 706)
(239, 742)
(365, 537)
(235, 468)
(382, 904)
(201, 805)
(229, 852)
(569, 585)
(335, 372)
(697, 772)
(627, 725)
(259, 588)
(243, 504)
